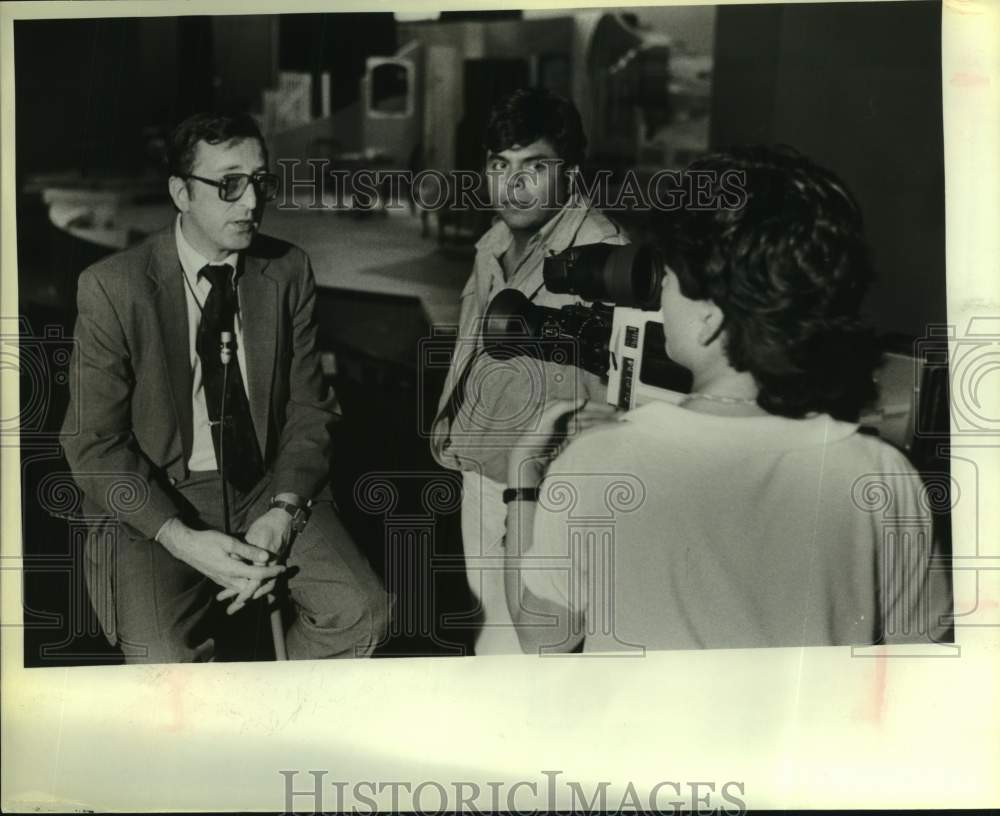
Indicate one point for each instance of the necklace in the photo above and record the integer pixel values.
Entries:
(719, 398)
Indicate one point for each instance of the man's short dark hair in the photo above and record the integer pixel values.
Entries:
(789, 270)
(530, 114)
(212, 128)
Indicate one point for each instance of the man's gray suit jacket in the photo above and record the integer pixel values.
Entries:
(128, 431)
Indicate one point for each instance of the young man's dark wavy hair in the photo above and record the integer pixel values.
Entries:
(789, 270)
(529, 114)
(212, 128)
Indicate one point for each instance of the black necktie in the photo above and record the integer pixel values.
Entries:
(242, 459)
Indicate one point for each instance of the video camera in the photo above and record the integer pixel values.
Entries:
(619, 337)
(623, 341)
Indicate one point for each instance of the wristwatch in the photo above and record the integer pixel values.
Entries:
(298, 512)
(529, 494)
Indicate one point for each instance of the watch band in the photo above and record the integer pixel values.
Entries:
(520, 494)
(298, 512)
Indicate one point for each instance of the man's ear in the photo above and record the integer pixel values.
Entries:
(179, 193)
(712, 321)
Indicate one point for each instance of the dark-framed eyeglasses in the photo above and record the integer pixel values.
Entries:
(232, 185)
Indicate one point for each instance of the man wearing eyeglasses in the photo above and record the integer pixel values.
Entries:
(199, 430)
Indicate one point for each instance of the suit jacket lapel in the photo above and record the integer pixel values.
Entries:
(171, 309)
(258, 297)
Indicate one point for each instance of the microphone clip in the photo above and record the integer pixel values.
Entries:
(226, 346)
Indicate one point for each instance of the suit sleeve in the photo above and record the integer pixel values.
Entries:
(97, 434)
(302, 465)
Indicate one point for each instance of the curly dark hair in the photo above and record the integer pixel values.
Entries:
(212, 128)
(784, 258)
(529, 114)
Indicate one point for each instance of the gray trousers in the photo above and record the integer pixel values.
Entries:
(165, 611)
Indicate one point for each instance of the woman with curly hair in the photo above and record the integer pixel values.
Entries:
(744, 515)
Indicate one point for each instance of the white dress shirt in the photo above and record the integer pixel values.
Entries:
(196, 290)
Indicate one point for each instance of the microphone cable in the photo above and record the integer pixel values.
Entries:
(225, 356)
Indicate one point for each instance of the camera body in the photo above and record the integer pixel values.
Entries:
(573, 335)
(640, 370)
(606, 338)
(624, 342)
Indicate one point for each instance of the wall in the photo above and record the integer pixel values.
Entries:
(319, 139)
(858, 88)
(76, 101)
(246, 59)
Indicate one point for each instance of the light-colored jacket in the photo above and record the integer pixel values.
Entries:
(504, 398)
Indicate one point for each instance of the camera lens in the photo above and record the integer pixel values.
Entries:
(626, 275)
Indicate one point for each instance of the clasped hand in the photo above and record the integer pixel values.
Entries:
(246, 570)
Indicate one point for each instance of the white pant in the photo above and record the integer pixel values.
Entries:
(484, 519)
